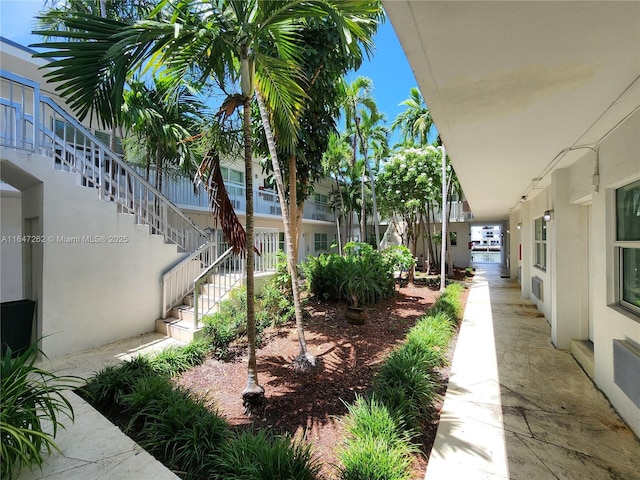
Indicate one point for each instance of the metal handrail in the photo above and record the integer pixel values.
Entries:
(197, 283)
(97, 165)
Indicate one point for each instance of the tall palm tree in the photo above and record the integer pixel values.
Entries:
(373, 136)
(250, 43)
(357, 99)
(415, 121)
(334, 162)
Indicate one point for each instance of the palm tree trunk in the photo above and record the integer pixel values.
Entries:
(304, 360)
(363, 212)
(293, 204)
(253, 394)
(376, 224)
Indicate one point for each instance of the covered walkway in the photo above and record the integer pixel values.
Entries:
(516, 407)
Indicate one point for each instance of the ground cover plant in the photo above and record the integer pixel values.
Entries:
(381, 427)
(307, 415)
(33, 410)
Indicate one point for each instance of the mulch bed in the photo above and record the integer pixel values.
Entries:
(309, 405)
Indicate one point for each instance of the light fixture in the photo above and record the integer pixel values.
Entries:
(547, 215)
(519, 226)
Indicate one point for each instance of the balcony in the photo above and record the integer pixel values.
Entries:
(265, 202)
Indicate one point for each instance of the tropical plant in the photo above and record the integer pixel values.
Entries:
(250, 44)
(357, 99)
(398, 257)
(415, 121)
(263, 456)
(33, 407)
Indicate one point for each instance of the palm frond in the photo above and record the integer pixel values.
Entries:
(210, 176)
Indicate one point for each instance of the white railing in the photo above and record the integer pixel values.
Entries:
(458, 212)
(178, 281)
(35, 123)
(214, 283)
(212, 276)
(181, 192)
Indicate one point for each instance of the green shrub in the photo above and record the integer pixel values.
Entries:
(276, 298)
(429, 340)
(176, 426)
(369, 417)
(174, 360)
(30, 398)
(362, 276)
(324, 274)
(369, 458)
(224, 326)
(398, 257)
(448, 303)
(260, 456)
(403, 376)
(108, 386)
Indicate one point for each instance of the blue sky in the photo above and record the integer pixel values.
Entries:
(388, 68)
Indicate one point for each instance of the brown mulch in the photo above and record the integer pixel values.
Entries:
(308, 405)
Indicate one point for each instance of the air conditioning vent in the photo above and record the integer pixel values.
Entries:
(626, 365)
(536, 287)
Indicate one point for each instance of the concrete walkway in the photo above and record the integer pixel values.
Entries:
(93, 448)
(517, 408)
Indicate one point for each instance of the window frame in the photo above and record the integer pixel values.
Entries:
(626, 244)
(317, 244)
(540, 244)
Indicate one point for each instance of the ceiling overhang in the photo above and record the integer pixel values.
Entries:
(516, 87)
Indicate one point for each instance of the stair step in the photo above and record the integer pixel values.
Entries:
(179, 329)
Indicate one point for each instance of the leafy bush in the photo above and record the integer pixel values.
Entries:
(259, 456)
(276, 299)
(176, 425)
(30, 398)
(362, 277)
(398, 256)
(224, 326)
(177, 359)
(448, 303)
(370, 458)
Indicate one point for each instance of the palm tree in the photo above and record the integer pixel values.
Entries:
(250, 43)
(162, 126)
(373, 136)
(334, 163)
(415, 122)
(357, 100)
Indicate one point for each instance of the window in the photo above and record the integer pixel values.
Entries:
(540, 244)
(320, 242)
(627, 245)
(281, 242)
(453, 237)
(234, 176)
(319, 198)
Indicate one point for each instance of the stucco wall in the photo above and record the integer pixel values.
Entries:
(619, 165)
(90, 292)
(10, 250)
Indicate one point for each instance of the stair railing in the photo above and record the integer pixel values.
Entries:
(35, 122)
(211, 286)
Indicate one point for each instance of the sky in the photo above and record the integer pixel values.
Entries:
(388, 68)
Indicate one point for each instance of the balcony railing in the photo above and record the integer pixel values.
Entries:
(181, 192)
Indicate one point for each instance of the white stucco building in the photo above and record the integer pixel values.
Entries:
(100, 251)
(538, 105)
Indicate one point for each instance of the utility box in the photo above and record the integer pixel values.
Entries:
(16, 325)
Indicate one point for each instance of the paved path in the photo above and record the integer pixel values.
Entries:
(93, 448)
(516, 407)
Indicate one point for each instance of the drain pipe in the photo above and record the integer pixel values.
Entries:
(443, 242)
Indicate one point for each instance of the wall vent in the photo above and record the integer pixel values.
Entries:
(626, 369)
(536, 287)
